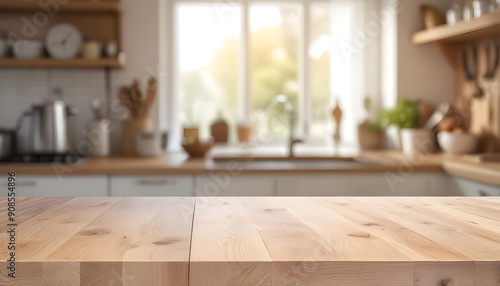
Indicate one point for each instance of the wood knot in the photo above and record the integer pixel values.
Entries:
(92, 232)
(370, 224)
(445, 282)
(359, 235)
(167, 241)
(272, 210)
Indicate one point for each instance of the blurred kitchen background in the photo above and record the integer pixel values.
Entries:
(220, 66)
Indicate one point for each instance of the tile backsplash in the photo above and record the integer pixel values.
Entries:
(21, 88)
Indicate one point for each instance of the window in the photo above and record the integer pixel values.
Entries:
(208, 57)
(233, 57)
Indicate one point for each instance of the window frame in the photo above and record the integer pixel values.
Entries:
(171, 62)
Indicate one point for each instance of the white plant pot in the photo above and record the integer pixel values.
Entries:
(393, 138)
(420, 141)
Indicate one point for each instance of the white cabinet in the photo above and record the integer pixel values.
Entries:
(475, 189)
(224, 184)
(54, 186)
(360, 184)
(151, 186)
(349, 184)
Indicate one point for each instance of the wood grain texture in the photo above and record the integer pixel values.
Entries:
(257, 241)
(345, 241)
(102, 241)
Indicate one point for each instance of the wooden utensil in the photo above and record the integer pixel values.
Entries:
(125, 100)
(337, 117)
(145, 106)
(136, 95)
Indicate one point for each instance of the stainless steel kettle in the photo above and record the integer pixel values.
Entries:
(47, 127)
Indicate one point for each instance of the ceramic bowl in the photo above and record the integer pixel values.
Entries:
(458, 143)
(197, 148)
(28, 49)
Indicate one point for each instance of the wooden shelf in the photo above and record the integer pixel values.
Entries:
(52, 63)
(480, 28)
(71, 7)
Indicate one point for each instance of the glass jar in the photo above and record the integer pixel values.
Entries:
(454, 14)
(479, 8)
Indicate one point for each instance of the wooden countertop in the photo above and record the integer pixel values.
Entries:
(99, 241)
(178, 163)
(255, 241)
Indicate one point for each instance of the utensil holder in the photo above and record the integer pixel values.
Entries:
(99, 135)
(130, 129)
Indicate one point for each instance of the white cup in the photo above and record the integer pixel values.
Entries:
(99, 131)
(417, 141)
(150, 144)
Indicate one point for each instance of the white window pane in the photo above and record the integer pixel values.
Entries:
(208, 56)
(319, 54)
(274, 58)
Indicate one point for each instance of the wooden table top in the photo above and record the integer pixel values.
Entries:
(100, 241)
(255, 241)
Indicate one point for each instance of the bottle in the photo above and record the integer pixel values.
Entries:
(220, 130)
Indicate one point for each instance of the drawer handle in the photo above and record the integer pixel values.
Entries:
(483, 193)
(156, 182)
(26, 184)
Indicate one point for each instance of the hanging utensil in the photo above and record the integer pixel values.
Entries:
(469, 73)
(492, 51)
(470, 63)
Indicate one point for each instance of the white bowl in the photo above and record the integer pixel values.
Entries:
(28, 49)
(457, 143)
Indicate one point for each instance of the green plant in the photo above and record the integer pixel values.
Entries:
(404, 115)
(371, 124)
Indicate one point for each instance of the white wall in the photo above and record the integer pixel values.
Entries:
(422, 71)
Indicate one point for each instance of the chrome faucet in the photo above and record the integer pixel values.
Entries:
(291, 117)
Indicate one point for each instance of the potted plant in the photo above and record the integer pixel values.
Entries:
(370, 132)
(402, 124)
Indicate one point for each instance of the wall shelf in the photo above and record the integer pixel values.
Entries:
(11, 6)
(97, 20)
(484, 27)
(52, 63)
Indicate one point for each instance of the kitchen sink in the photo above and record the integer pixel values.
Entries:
(277, 159)
(290, 163)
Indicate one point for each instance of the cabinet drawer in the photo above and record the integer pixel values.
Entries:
(53, 186)
(225, 185)
(151, 186)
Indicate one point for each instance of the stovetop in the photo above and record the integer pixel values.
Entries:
(69, 158)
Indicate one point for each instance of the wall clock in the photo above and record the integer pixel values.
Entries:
(64, 42)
